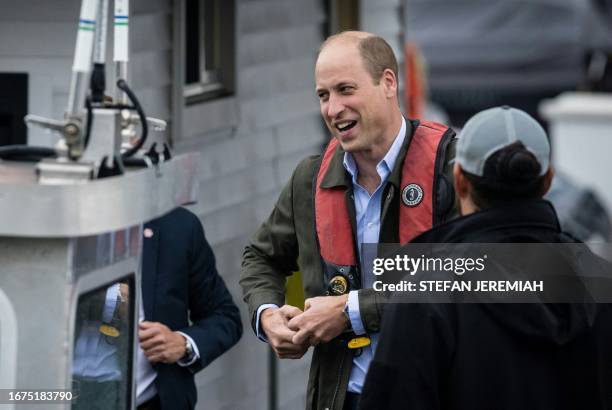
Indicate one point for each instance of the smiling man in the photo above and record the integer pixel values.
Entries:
(382, 178)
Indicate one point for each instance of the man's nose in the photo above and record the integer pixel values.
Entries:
(334, 106)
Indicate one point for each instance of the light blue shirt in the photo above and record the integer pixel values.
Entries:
(96, 359)
(367, 212)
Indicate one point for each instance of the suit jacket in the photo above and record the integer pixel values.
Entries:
(181, 285)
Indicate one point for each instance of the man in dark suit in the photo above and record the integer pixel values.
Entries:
(189, 315)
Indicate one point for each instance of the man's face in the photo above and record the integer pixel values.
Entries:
(355, 109)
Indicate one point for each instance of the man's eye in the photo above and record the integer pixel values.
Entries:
(322, 96)
(346, 90)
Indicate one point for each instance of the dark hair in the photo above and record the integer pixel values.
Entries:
(511, 174)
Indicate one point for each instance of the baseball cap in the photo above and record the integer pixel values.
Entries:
(493, 129)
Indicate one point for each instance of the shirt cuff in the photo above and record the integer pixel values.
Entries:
(110, 303)
(196, 352)
(261, 335)
(354, 314)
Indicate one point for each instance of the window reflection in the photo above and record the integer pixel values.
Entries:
(102, 350)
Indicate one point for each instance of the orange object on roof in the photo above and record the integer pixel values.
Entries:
(414, 89)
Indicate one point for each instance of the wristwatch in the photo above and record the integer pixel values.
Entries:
(188, 351)
(348, 317)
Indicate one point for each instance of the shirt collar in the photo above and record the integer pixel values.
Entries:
(385, 166)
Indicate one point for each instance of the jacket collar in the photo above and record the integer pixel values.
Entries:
(337, 175)
(149, 268)
(532, 213)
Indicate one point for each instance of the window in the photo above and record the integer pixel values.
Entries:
(13, 107)
(209, 49)
(102, 354)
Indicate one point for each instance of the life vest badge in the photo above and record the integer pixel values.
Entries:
(412, 195)
(359, 342)
(338, 285)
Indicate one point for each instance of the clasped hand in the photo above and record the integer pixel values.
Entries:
(291, 332)
(159, 343)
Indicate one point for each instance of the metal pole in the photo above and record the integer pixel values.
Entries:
(82, 58)
(121, 45)
(272, 381)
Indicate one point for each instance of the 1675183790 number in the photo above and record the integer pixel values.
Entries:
(8, 396)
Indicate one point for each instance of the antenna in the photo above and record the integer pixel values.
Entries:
(121, 45)
(98, 134)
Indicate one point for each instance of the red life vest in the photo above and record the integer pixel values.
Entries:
(332, 221)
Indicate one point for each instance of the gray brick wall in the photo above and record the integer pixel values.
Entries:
(384, 18)
(250, 144)
(38, 39)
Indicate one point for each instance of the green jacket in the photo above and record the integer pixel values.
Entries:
(289, 233)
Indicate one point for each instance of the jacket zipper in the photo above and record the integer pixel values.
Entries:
(338, 383)
(387, 203)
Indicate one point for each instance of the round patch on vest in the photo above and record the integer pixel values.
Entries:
(412, 195)
(338, 285)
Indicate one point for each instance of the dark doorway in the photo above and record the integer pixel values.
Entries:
(13, 107)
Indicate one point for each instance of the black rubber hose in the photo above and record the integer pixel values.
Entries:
(26, 153)
(97, 83)
(122, 84)
(135, 162)
(89, 108)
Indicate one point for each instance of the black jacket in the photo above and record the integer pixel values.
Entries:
(180, 285)
(493, 356)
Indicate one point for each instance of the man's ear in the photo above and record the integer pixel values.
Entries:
(390, 82)
(548, 178)
(462, 185)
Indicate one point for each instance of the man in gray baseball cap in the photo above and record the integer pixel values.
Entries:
(503, 156)
(496, 128)
(497, 355)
